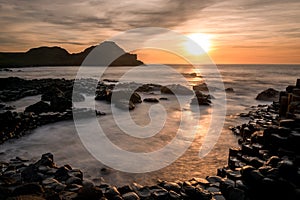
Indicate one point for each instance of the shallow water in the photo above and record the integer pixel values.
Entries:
(63, 141)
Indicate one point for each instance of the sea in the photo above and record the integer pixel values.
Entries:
(62, 138)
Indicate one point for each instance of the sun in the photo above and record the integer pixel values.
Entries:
(195, 40)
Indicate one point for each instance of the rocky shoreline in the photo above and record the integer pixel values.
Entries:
(57, 98)
(266, 165)
(55, 104)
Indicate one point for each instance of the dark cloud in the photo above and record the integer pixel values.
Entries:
(81, 22)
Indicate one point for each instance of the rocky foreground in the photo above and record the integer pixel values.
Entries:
(266, 165)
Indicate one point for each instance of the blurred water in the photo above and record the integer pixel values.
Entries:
(62, 140)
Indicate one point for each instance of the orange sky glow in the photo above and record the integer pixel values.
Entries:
(230, 31)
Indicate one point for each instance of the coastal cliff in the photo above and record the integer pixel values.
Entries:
(57, 56)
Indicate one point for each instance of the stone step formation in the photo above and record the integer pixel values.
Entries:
(266, 165)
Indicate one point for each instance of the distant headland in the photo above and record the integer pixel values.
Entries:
(57, 56)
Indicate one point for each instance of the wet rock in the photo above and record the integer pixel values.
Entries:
(170, 186)
(111, 192)
(22, 159)
(251, 176)
(229, 90)
(90, 192)
(38, 107)
(196, 193)
(215, 180)
(73, 180)
(130, 196)
(200, 87)
(151, 100)
(125, 189)
(287, 169)
(136, 186)
(174, 196)
(103, 94)
(256, 162)
(73, 188)
(60, 104)
(244, 114)
(201, 181)
(163, 98)
(46, 160)
(268, 95)
(236, 194)
(219, 197)
(30, 174)
(51, 93)
(160, 194)
(62, 174)
(288, 123)
(273, 161)
(51, 183)
(76, 173)
(66, 195)
(225, 185)
(201, 99)
(29, 188)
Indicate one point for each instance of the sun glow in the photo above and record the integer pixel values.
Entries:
(195, 40)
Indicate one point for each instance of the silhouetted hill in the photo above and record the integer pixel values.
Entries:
(57, 56)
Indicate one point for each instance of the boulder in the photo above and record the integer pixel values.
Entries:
(268, 95)
(29, 188)
(151, 100)
(144, 192)
(111, 192)
(90, 192)
(103, 94)
(130, 196)
(170, 186)
(125, 189)
(201, 87)
(46, 160)
(201, 99)
(39, 107)
(160, 194)
(30, 174)
(229, 90)
(60, 104)
(51, 93)
(163, 98)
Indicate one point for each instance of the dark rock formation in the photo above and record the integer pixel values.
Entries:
(268, 95)
(151, 100)
(57, 56)
(229, 90)
(38, 107)
(266, 164)
(201, 99)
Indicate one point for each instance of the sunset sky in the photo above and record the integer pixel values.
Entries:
(234, 31)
